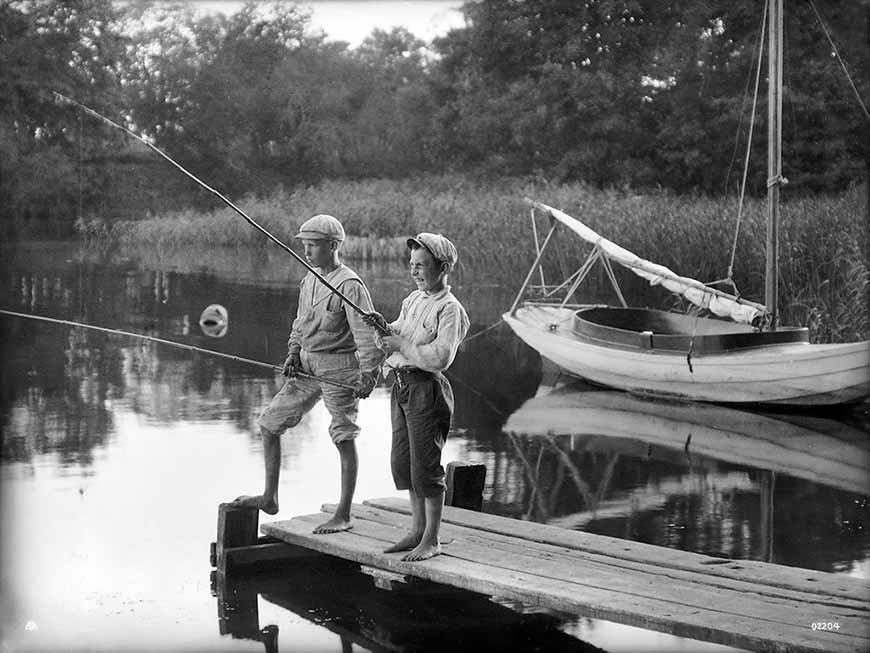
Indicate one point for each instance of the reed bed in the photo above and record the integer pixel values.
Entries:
(823, 256)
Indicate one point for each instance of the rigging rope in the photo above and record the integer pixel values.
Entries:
(840, 59)
(729, 277)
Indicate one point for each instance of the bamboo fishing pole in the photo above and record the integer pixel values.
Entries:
(173, 343)
(224, 199)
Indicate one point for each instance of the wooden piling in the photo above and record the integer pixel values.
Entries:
(236, 527)
(238, 545)
(465, 485)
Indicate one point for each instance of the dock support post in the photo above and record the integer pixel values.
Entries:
(465, 485)
(238, 545)
(236, 527)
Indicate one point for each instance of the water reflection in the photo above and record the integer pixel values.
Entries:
(417, 616)
(791, 489)
(127, 446)
(493, 374)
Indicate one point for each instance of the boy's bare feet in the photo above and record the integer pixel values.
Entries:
(407, 543)
(334, 525)
(423, 552)
(267, 505)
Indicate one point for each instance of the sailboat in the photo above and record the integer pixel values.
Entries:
(745, 358)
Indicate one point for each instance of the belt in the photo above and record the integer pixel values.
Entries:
(406, 375)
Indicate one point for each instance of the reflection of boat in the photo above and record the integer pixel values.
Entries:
(751, 359)
(821, 450)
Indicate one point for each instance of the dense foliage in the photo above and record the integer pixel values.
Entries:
(627, 93)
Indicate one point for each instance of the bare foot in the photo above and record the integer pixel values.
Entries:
(269, 506)
(406, 543)
(335, 525)
(423, 552)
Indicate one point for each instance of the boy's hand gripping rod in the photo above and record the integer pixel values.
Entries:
(251, 221)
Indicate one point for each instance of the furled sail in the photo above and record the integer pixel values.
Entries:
(718, 302)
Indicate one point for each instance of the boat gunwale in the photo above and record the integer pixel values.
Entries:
(724, 336)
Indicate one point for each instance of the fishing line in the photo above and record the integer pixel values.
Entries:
(173, 343)
(224, 199)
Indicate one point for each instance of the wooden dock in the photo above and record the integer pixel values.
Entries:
(743, 604)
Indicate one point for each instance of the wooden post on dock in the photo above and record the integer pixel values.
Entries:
(465, 485)
(239, 546)
(236, 527)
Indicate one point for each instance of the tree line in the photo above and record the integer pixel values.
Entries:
(638, 94)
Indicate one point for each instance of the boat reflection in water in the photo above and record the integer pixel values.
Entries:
(710, 474)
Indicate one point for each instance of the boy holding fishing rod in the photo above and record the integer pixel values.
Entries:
(330, 350)
(420, 345)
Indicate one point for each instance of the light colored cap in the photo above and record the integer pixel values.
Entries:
(437, 245)
(321, 227)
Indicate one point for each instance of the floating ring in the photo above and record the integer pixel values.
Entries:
(214, 321)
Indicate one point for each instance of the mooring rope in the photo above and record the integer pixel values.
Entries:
(492, 326)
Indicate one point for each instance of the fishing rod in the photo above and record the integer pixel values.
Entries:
(172, 343)
(224, 199)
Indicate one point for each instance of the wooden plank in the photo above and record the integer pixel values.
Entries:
(617, 568)
(758, 573)
(472, 565)
(258, 554)
(382, 578)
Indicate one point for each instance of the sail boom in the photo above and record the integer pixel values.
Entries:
(718, 302)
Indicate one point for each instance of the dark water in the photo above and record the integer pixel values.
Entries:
(117, 451)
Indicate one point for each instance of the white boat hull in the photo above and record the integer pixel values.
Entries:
(791, 373)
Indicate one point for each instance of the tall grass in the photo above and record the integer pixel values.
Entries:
(823, 262)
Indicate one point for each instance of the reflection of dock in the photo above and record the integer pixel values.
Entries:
(418, 616)
(744, 604)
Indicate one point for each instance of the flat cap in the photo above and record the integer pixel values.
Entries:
(321, 227)
(437, 245)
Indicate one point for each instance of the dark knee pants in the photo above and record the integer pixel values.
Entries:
(421, 407)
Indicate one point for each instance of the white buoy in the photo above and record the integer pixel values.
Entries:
(214, 321)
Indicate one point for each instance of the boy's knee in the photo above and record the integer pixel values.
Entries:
(343, 434)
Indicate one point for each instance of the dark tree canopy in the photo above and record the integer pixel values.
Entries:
(629, 93)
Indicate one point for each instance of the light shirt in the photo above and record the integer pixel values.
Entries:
(325, 323)
(431, 327)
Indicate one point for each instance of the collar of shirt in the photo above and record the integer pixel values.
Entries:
(438, 294)
(336, 277)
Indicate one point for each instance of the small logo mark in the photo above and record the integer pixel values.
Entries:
(31, 626)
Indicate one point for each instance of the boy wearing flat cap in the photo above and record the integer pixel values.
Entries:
(422, 343)
(328, 340)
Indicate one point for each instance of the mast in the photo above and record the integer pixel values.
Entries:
(774, 158)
